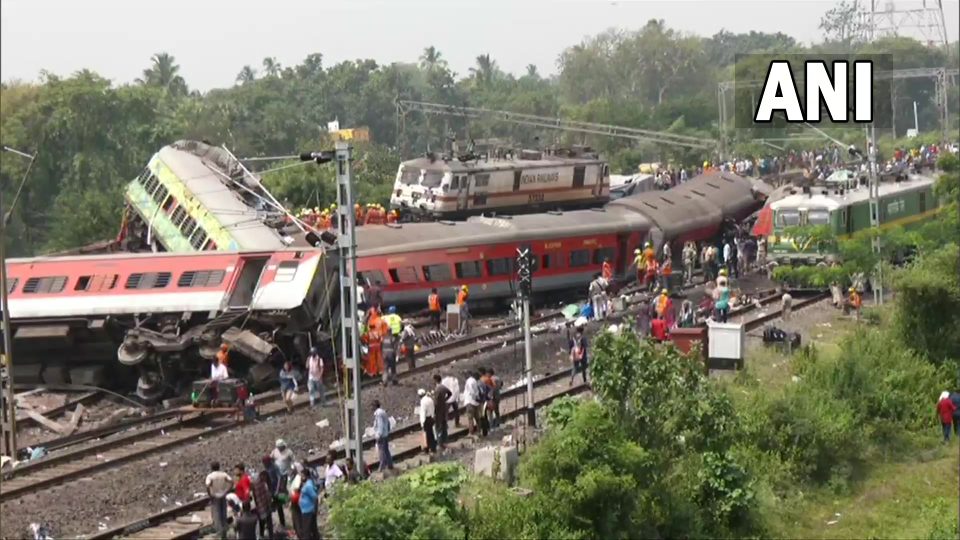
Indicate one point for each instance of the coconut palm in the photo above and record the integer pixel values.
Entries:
(247, 74)
(164, 73)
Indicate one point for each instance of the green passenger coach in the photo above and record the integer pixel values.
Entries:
(844, 212)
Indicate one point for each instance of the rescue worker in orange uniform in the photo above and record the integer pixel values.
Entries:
(462, 298)
(648, 253)
(358, 214)
(433, 304)
(376, 330)
(666, 270)
(650, 279)
(854, 302)
(607, 270)
(223, 355)
(665, 308)
(393, 216)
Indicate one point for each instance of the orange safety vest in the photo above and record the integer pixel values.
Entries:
(855, 300)
(434, 302)
(651, 266)
(462, 297)
(667, 268)
(648, 254)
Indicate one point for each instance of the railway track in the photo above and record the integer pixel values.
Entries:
(191, 519)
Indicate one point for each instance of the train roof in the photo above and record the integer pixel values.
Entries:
(162, 254)
(497, 164)
(821, 197)
(207, 185)
(387, 239)
(698, 203)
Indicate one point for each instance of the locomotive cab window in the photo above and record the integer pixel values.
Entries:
(481, 180)
(578, 174)
(97, 282)
(437, 272)
(148, 280)
(469, 269)
(286, 270)
(788, 218)
(818, 217)
(406, 274)
(44, 285)
(602, 253)
(201, 278)
(370, 277)
(579, 257)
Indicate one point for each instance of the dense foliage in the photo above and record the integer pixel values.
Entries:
(92, 136)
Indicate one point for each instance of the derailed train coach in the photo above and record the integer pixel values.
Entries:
(409, 260)
(160, 318)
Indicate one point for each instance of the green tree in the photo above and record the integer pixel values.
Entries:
(246, 75)
(164, 72)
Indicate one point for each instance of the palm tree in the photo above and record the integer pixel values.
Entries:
(486, 69)
(431, 59)
(271, 67)
(532, 71)
(247, 74)
(164, 73)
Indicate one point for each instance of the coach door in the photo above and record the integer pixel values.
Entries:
(578, 176)
(601, 173)
(463, 196)
(248, 278)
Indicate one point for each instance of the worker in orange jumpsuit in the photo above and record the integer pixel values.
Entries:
(639, 260)
(648, 252)
(665, 308)
(650, 279)
(358, 214)
(854, 302)
(462, 297)
(433, 304)
(666, 270)
(607, 270)
(376, 331)
(393, 216)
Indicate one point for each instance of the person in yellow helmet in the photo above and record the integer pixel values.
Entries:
(638, 261)
(462, 297)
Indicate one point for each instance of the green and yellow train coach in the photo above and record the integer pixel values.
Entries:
(843, 212)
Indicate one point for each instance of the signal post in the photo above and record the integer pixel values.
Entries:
(525, 280)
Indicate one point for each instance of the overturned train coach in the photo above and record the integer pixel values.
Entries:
(164, 316)
(408, 260)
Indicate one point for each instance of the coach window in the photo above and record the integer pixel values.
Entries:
(199, 238)
(12, 284)
(469, 269)
(169, 203)
(52, 284)
(286, 270)
(602, 253)
(480, 199)
(405, 274)
(455, 183)
(188, 226)
(551, 260)
(96, 283)
(437, 272)
(499, 267)
(201, 278)
(178, 215)
(370, 277)
(579, 257)
(481, 180)
(148, 280)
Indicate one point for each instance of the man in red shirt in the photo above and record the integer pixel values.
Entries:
(658, 328)
(945, 408)
(242, 489)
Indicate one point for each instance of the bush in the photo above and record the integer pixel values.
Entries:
(928, 305)
(819, 437)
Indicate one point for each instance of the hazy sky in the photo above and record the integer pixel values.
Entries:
(212, 40)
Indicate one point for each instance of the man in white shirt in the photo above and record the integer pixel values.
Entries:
(218, 485)
(453, 385)
(333, 473)
(427, 415)
(315, 378)
(471, 402)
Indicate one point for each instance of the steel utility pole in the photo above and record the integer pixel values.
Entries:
(874, 179)
(525, 279)
(8, 404)
(349, 329)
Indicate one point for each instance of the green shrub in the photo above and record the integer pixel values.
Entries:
(819, 437)
(928, 305)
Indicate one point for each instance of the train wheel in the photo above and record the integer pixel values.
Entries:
(150, 386)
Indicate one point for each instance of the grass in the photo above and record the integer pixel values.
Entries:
(901, 494)
(896, 500)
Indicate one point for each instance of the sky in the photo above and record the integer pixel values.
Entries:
(213, 40)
